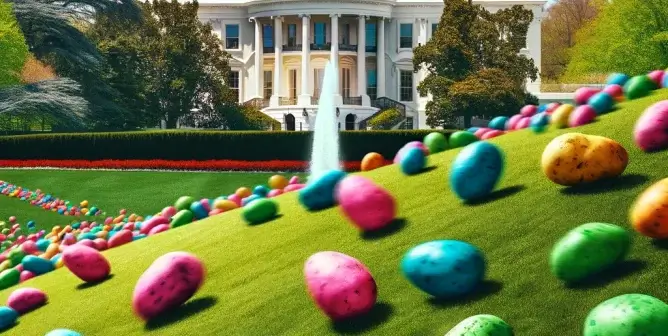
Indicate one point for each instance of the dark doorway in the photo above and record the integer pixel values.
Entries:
(289, 122)
(350, 122)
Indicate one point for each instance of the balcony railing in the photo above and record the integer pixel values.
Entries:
(293, 47)
(258, 103)
(287, 101)
(319, 47)
(316, 47)
(268, 50)
(352, 100)
(370, 49)
(383, 103)
(347, 47)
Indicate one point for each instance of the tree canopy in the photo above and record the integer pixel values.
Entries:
(13, 48)
(473, 63)
(629, 36)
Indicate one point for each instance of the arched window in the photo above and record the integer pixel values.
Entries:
(289, 122)
(350, 122)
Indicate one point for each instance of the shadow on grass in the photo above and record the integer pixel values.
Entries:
(86, 285)
(190, 308)
(395, 226)
(3, 330)
(266, 221)
(426, 170)
(616, 272)
(609, 184)
(485, 289)
(660, 243)
(497, 195)
(379, 313)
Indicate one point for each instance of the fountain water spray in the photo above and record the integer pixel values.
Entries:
(325, 152)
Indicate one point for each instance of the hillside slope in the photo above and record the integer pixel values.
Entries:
(255, 283)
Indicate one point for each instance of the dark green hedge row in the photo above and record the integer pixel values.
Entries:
(198, 145)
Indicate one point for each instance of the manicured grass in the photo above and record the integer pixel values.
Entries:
(143, 193)
(255, 284)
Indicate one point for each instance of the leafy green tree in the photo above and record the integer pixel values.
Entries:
(629, 36)
(473, 63)
(13, 49)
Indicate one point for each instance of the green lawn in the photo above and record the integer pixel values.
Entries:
(143, 193)
(255, 284)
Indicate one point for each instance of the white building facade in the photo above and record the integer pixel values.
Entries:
(280, 48)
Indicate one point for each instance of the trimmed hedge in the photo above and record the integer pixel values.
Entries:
(199, 145)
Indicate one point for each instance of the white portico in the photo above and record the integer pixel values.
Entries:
(279, 50)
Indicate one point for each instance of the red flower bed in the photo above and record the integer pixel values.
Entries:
(224, 165)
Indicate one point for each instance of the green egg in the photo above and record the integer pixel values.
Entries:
(628, 315)
(181, 218)
(9, 278)
(436, 142)
(184, 202)
(462, 138)
(259, 210)
(15, 256)
(481, 325)
(588, 249)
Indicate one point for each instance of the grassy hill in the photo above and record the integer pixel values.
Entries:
(255, 284)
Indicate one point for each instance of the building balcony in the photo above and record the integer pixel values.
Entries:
(348, 47)
(321, 47)
(268, 50)
(292, 47)
(371, 49)
(287, 101)
(352, 100)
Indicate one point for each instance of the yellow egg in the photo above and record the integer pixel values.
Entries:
(243, 192)
(224, 205)
(559, 117)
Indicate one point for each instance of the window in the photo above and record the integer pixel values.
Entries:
(406, 35)
(293, 83)
(370, 35)
(409, 123)
(292, 35)
(371, 84)
(232, 36)
(319, 75)
(434, 27)
(406, 85)
(233, 83)
(268, 84)
(345, 83)
(319, 36)
(345, 34)
(267, 36)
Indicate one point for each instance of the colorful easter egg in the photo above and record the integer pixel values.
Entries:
(371, 161)
(259, 211)
(26, 299)
(649, 132)
(367, 205)
(628, 315)
(413, 161)
(482, 325)
(318, 194)
(86, 263)
(436, 142)
(476, 170)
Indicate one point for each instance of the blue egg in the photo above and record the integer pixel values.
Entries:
(473, 129)
(261, 190)
(249, 199)
(61, 211)
(36, 265)
(139, 236)
(413, 161)
(444, 268)
(42, 244)
(476, 170)
(62, 332)
(8, 317)
(664, 82)
(198, 210)
(601, 102)
(498, 123)
(542, 108)
(539, 122)
(54, 259)
(88, 235)
(318, 193)
(617, 78)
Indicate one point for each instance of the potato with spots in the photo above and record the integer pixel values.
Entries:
(649, 214)
(575, 158)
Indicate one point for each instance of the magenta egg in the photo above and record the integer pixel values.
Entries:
(528, 110)
(523, 123)
(582, 115)
(366, 204)
(551, 107)
(26, 299)
(512, 121)
(614, 90)
(274, 192)
(650, 130)
(656, 76)
(294, 180)
(479, 133)
(293, 187)
(26, 275)
(168, 212)
(235, 198)
(492, 134)
(583, 94)
(406, 147)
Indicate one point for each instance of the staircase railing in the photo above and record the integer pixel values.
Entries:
(382, 104)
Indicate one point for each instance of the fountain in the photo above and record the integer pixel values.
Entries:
(325, 151)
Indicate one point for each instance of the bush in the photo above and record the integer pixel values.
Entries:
(385, 120)
(198, 145)
(254, 119)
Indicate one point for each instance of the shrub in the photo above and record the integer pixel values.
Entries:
(198, 145)
(13, 48)
(386, 119)
(254, 119)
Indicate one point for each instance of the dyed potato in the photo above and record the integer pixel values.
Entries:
(436, 142)
(650, 129)
(482, 325)
(259, 211)
(462, 138)
(86, 263)
(371, 161)
(628, 315)
(444, 268)
(649, 213)
(588, 249)
(318, 194)
(559, 117)
(26, 299)
(181, 218)
(413, 161)
(37, 265)
(9, 278)
(120, 238)
(169, 282)
(476, 170)
(575, 158)
(367, 205)
(8, 317)
(340, 285)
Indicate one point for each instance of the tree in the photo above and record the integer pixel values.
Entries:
(13, 48)
(558, 30)
(629, 36)
(473, 63)
(168, 65)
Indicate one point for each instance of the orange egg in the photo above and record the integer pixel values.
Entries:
(278, 182)
(649, 214)
(372, 161)
(224, 205)
(243, 192)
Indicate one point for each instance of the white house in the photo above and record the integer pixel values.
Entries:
(280, 48)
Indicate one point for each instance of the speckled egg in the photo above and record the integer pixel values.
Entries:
(366, 204)
(86, 263)
(444, 268)
(628, 315)
(476, 170)
(588, 249)
(340, 285)
(482, 325)
(26, 299)
(649, 213)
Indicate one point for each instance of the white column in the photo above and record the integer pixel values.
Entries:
(259, 72)
(380, 59)
(334, 57)
(305, 96)
(361, 61)
(421, 75)
(278, 62)
(534, 46)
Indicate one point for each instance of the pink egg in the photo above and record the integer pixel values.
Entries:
(523, 123)
(26, 275)
(582, 115)
(123, 212)
(215, 212)
(26, 299)
(120, 238)
(614, 90)
(108, 220)
(512, 121)
(650, 130)
(293, 187)
(149, 224)
(656, 76)
(294, 180)
(492, 134)
(100, 244)
(274, 192)
(69, 239)
(86, 263)
(129, 226)
(19, 267)
(529, 110)
(367, 205)
(479, 133)
(340, 285)
(235, 198)
(12, 219)
(158, 228)
(86, 242)
(29, 247)
(583, 94)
